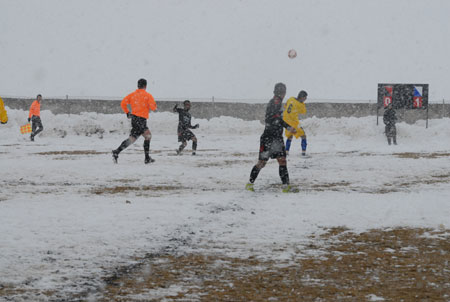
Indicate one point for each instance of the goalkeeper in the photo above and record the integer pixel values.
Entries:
(294, 107)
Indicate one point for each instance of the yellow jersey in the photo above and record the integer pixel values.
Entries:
(3, 114)
(291, 111)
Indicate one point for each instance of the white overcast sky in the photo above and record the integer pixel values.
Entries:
(226, 49)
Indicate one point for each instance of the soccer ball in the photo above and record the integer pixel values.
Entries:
(292, 54)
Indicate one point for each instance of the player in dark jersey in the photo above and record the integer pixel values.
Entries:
(184, 126)
(271, 141)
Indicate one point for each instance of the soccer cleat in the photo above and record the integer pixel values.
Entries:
(178, 151)
(193, 153)
(149, 160)
(249, 187)
(289, 189)
(32, 138)
(115, 156)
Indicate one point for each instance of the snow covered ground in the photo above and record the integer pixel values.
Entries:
(69, 216)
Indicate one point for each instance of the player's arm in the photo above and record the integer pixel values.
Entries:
(302, 109)
(152, 103)
(193, 127)
(32, 109)
(124, 103)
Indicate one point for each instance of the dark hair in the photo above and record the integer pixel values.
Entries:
(186, 102)
(280, 89)
(39, 95)
(302, 94)
(142, 83)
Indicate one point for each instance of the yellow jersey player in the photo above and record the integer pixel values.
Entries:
(3, 114)
(294, 107)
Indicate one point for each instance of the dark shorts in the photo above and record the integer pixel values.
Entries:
(36, 123)
(390, 130)
(138, 126)
(271, 147)
(185, 135)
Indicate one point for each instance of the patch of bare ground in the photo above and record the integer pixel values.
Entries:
(139, 190)
(401, 264)
(331, 186)
(223, 163)
(421, 155)
(72, 152)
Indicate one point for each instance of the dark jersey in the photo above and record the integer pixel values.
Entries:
(389, 117)
(274, 119)
(184, 119)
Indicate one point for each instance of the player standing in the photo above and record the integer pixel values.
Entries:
(294, 107)
(271, 141)
(3, 113)
(141, 102)
(184, 126)
(389, 119)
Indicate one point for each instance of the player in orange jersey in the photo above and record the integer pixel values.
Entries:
(35, 117)
(141, 102)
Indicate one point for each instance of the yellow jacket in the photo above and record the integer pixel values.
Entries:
(291, 111)
(3, 114)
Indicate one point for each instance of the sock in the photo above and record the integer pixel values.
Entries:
(124, 145)
(194, 146)
(284, 175)
(304, 144)
(181, 147)
(146, 146)
(288, 144)
(254, 174)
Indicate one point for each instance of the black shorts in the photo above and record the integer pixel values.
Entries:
(138, 126)
(390, 130)
(36, 123)
(185, 135)
(271, 147)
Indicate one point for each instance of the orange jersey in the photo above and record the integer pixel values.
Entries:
(141, 103)
(35, 109)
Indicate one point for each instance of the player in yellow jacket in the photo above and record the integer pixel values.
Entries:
(3, 114)
(294, 107)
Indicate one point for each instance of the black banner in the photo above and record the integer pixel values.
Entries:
(409, 96)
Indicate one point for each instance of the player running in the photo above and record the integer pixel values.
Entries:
(271, 141)
(184, 126)
(35, 117)
(294, 107)
(141, 102)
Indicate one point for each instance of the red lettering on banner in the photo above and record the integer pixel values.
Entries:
(387, 100)
(417, 102)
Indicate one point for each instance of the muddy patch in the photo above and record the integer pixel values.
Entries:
(72, 152)
(421, 155)
(400, 264)
(139, 190)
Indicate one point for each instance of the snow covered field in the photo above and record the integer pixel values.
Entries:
(69, 217)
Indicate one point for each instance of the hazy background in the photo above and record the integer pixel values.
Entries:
(226, 49)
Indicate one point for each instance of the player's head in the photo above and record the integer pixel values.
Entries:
(142, 84)
(302, 95)
(279, 90)
(39, 97)
(187, 104)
